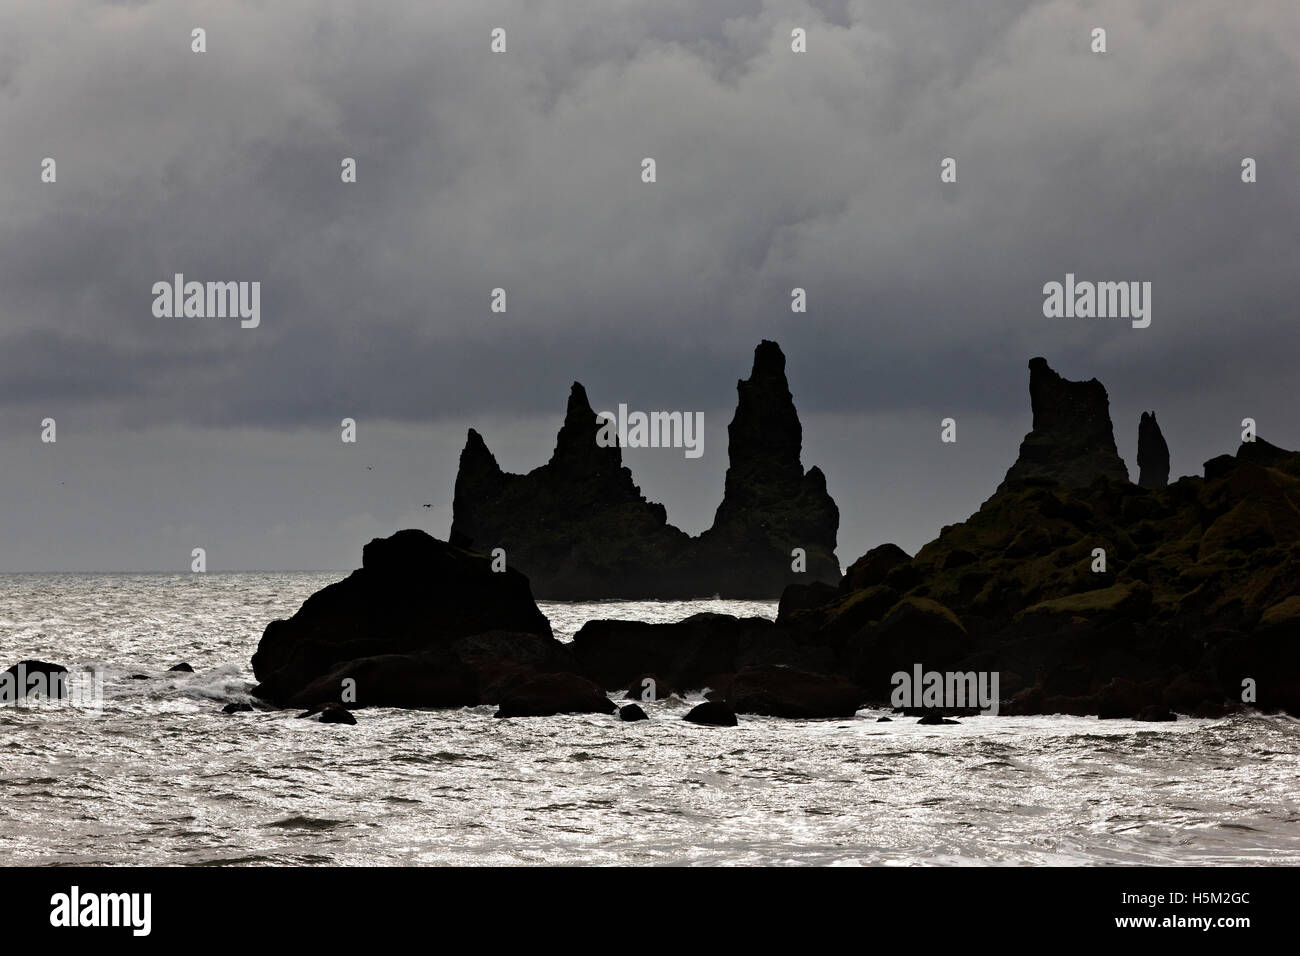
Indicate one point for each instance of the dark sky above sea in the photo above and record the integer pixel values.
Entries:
(522, 170)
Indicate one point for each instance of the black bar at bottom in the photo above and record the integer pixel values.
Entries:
(603, 907)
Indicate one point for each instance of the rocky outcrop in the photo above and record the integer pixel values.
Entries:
(432, 678)
(1153, 453)
(580, 528)
(1198, 596)
(398, 630)
(688, 654)
(1072, 441)
(789, 692)
(1083, 592)
(552, 694)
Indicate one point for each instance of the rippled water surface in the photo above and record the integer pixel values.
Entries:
(162, 776)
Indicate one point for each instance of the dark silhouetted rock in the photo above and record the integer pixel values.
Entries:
(35, 679)
(1266, 455)
(551, 694)
(934, 720)
(683, 654)
(330, 713)
(413, 595)
(1220, 466)
(433, 678)
(787, 692)
(770, 505)
(182, 667)
(632, 712)
(237, 708)
(711, 712)
(884, 720)
(692, 653)
(1153, 453)
(1201, 588)
(1072, 441)
(580, 528)
(873, 567)
(1120, 699)
(798, 598)
(502, 660)
(915, 630)
(1154, 712)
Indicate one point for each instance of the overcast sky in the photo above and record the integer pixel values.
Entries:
(522, 170)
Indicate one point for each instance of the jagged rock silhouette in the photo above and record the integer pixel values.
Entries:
(1153, 453)
(580, 529)
(1072, 441)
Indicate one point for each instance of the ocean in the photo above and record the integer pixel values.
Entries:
(162, 776)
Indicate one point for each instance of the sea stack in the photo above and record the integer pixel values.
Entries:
(770, 505)
(580, 529)
(578, 526)
(1072, 441)
(1153, 453)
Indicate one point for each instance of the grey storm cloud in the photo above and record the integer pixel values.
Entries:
(522, 171)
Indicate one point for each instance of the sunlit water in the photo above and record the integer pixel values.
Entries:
(163, 777)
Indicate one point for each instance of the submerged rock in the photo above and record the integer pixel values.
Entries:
(935, 720)
(712, 713)
(631, 712)
(182, 667)
(330, 713)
